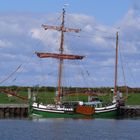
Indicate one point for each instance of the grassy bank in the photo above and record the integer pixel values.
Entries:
(132, 98)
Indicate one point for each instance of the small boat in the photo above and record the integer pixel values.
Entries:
(73, 109)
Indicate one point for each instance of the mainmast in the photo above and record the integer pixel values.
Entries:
(61, 56)
(61, 49)
(116, 65)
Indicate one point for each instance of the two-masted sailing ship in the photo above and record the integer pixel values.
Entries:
(72, 109)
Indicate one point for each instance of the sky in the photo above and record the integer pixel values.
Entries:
(99, 20)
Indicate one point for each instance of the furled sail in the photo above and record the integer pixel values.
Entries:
(59, 28)
(59, 56)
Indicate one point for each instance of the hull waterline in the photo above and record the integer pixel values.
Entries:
(108, 113)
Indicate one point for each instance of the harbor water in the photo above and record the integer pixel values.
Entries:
(69, 129)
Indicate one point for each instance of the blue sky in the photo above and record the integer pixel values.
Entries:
(99, 20)
(105, 11)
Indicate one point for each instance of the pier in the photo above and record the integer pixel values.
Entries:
(22, 110)
(13, 110)
(130, 111)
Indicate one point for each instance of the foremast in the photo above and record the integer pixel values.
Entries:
(61, 56)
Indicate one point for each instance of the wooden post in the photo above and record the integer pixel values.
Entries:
(30, 101)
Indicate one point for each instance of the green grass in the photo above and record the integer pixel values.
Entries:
(48, 97)
(133, 99)
(4, 99)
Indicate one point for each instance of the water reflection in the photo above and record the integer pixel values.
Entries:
(69, 129)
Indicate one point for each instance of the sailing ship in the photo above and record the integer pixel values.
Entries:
(73, 109)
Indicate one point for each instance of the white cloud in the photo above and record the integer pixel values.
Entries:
(49, 38)
(108, 62)
(99, 40)
(10, 28)
(19, 39)
(88, 28)
(5, 43)
(131, 19)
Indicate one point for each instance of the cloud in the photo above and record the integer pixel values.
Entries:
(48, 39)
(21, 35)
(5, 43)
(130, 31)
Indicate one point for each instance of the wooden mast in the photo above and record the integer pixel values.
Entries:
(61, 49)
(116, 65)
(60, 56)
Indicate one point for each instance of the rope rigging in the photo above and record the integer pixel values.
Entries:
(129, 69)
(91, 36)
(11, 74)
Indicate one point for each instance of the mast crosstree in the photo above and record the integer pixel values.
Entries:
(61, 56)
